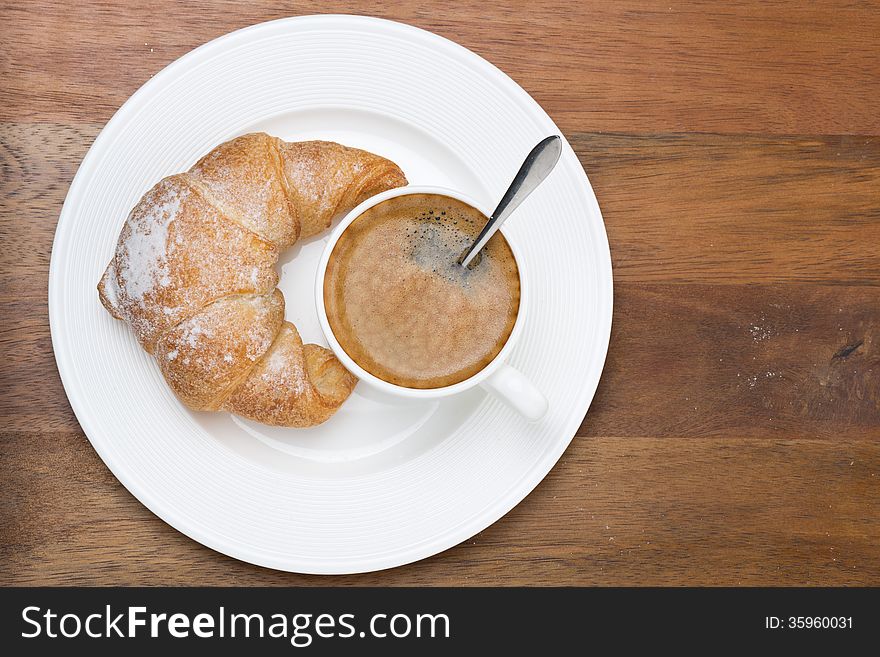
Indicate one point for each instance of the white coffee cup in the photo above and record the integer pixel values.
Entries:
(499, 378)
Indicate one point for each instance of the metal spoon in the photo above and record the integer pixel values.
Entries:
(537, 166)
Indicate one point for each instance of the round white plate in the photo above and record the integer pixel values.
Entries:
(379, 484)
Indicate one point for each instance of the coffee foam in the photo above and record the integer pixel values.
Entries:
(402, 307)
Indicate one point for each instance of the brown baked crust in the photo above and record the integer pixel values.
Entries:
(194, 275)
(319, 381)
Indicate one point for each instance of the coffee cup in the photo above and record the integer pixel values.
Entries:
(497, 377)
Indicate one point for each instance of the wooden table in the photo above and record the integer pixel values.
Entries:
(734, 149)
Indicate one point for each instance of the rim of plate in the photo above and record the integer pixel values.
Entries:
(449, 536)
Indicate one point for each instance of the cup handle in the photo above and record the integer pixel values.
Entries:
(513, 388)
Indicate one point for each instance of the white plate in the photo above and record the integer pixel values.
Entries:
(378, 485)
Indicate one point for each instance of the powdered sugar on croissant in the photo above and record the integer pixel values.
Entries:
(194, 275)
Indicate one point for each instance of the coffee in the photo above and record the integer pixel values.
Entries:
(403, 308)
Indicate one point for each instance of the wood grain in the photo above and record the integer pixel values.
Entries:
(633, 66)
(734, 150)
(700, 361)
(619, 511)
(678, 208)
(770, 477)
(738, 208)
(757, 361)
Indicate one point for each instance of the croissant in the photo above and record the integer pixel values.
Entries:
(194, 275)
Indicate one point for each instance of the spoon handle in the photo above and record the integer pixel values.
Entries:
(537, 166)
